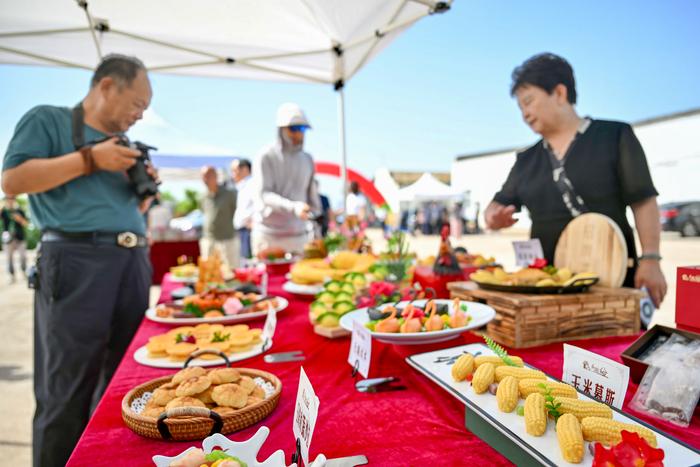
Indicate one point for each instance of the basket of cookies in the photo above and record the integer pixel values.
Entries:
(195, 403)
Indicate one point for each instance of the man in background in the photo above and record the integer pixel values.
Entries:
(245, 205)
(288, 195)
(218, 206)
(14, 223)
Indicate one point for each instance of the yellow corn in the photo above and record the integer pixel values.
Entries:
(583, 409)
(463, 367)
(608, 431)
(497, 361)
(519, 373)
(507, 394)
(527, 386)
(535, 414)
(570, 438)
(483, 377)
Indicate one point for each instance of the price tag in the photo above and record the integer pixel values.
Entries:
(360, 348)
(595, 375)
(527, 251)
(270, 323)
(305, 414)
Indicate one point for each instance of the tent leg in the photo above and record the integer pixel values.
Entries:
(343, 152)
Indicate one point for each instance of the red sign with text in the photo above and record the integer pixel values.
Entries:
(688, 298)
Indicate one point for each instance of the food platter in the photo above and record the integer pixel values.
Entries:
(579, 286)
(141, 356)
(300, 289)
(282, 303)
(480, 315)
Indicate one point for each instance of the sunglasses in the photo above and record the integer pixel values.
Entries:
(298, 128)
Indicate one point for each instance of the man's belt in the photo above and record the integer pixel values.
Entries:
(122, 239)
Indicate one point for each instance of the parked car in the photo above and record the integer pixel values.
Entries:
(683, 217)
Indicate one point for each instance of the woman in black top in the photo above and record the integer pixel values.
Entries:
(14, 222)
(580, 165)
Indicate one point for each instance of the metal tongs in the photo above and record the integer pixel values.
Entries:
(280, 357)
(378, 385)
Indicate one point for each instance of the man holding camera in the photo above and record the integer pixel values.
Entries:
(93, 267)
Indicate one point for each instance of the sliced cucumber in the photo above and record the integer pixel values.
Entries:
(328, 319)
(343, 307)
(343, 297)
(333, 286)
(326, 297)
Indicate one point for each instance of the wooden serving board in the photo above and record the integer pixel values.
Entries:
(594, 243)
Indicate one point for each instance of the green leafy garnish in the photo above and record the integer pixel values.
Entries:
(499, 351)
(551, 406)
(246, 302)
(520, 410)
(217, 455)
(551, 270)
(463, 307)
(193, 309)
(179, 338)
(219, 337)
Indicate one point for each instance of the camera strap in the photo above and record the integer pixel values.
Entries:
(78, 122)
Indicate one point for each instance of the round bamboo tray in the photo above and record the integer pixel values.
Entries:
(193, 423)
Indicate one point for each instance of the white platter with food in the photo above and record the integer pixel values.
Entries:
(141, 356)
(301, 289)
(152, 314)
(478, 313)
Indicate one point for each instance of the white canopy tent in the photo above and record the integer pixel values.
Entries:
(427, 188)
(318, 41)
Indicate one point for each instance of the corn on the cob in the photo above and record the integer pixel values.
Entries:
(483, 377)
(507, 394)
(535, 414)
(527, 386)
(608, 431)
(497, 361)
(582, 409)
(463, 367)
(570, 438)
(519, 373)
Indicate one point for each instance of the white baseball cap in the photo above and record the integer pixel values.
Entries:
(290, 114)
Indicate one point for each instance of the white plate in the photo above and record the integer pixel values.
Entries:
(183, 280)
(247, 451)
(141, 356)
(282, 303)
(480, 314)
(299, 289)
(437, 366)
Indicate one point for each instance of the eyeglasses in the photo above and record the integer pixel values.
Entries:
(298, 128)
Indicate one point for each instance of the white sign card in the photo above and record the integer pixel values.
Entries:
(527, 251)
(305, 414)
(360, 348)
(270, 324)
(596, 376)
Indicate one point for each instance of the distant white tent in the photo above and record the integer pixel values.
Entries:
(427, 188)
(317, 41)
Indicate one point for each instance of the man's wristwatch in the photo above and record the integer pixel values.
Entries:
(652, 256)
(88, 160)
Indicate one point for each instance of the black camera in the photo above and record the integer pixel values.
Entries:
(141, 182)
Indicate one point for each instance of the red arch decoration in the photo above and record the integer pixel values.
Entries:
(366, 186)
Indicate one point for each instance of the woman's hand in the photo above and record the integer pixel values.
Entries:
(649, 275)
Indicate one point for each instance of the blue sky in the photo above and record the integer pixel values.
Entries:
(441, 89)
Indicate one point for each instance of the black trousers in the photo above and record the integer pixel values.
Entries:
(89, 304)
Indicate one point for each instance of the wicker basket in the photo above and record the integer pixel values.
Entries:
(192, 423)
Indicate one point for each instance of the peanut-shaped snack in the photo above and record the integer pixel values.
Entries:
(535, 414)
(463, 367)
(609, 431)
(582, 409)
(496, 360)
(520, 373)
(483, 377)
(529, 385)
(570, 438)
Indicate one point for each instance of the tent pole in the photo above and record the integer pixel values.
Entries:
(341, 135)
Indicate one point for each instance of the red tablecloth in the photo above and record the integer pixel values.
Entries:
(421, 425)
(164, 255)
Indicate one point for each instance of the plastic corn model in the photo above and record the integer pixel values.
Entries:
(483, 377)
(463, 367)
(520, 373)
(535, 414)
(608, 431)
(527, 386)
(570, 438)
(507, 394)
(496, 360)
(583, 409)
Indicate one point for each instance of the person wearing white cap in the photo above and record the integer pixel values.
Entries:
(284, 175)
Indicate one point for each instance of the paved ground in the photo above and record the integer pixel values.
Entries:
(16, 327)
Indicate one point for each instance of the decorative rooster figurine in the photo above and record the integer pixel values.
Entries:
(446, 262)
